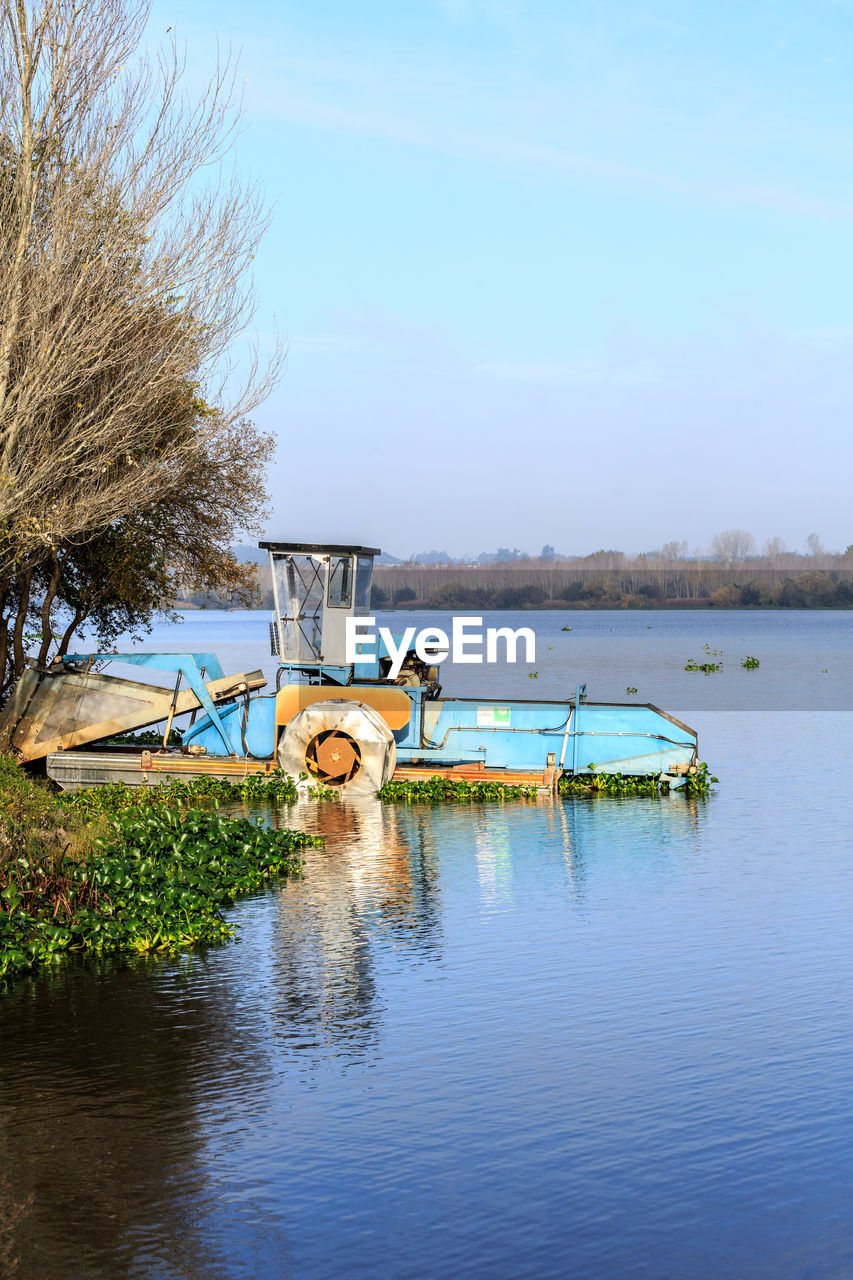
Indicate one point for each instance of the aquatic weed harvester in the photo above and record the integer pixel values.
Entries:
(351, 725)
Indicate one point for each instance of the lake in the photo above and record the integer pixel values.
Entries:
(586, 1037)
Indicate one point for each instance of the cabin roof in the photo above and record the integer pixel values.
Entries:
(324, 548)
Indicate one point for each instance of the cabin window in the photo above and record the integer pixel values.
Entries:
(340, 582)
(363, 575)
(298, 583)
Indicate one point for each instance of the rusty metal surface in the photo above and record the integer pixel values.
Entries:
(74, 770)
(476, 772)
(16, 706)
(72, 708)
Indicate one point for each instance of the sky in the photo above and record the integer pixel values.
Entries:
(550, 272)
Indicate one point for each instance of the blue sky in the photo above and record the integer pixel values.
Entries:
(551, 272)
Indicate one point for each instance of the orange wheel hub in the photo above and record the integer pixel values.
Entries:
(333, 757)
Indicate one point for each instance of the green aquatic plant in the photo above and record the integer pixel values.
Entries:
(707, 667)
(699, 783)
(565, 628)
(620, 784)
(436, 789)
(750, 663)
(112, 797)
(157, 881)
(317, 791)
(630, 688)
(611, 784)
(533, 675)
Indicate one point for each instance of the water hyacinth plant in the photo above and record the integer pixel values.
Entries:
(620, 784)
(129, 869)
(610, 784)
(708, 665)
(456, 790)
(156, 881)
(271, 788)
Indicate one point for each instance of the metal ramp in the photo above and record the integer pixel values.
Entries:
(66, 705)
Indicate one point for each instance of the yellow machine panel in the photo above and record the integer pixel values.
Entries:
(393, 704)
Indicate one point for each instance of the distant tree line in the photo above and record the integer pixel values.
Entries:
(711, 586)
(733, 576)
(816, 589)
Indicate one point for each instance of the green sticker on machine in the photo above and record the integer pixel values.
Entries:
(492, 717)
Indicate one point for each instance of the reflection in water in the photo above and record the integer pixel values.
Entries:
(592, 826)
(374, 884)
(126, 1091)
(494, 858)
(102, 1073)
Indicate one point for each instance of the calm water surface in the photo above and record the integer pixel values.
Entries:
(587, 1038)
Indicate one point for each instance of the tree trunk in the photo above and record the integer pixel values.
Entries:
(47, 605)
(80, 615)
(18, 654)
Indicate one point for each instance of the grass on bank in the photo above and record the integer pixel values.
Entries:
(107, 873)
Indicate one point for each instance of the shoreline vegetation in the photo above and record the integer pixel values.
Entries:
(438, 790)
(580, 585)
(133, 871)
(125, 871)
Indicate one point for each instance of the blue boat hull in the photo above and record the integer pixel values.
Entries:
(516, 736)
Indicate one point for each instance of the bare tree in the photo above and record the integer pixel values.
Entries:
(123, 253)
(732, 546)
(673, 551)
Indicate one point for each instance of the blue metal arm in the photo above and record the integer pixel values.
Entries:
(189, 665)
